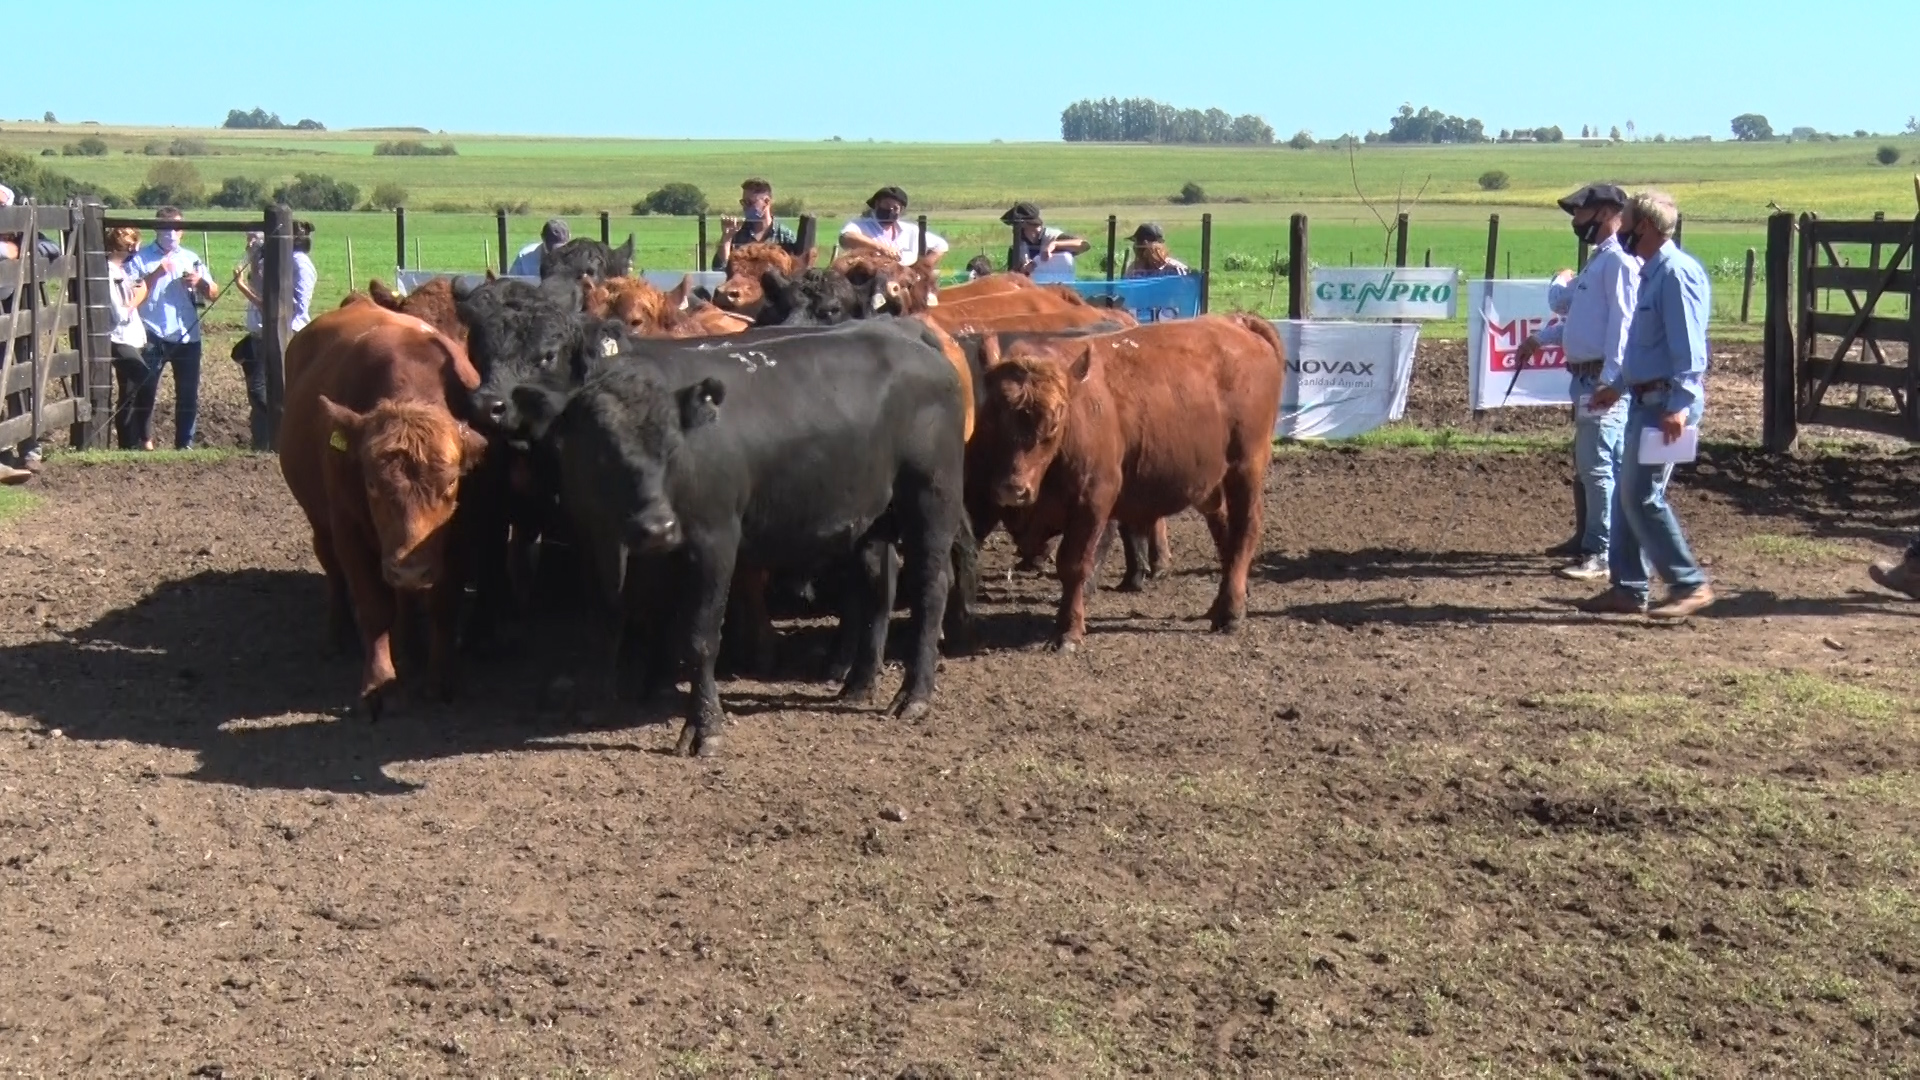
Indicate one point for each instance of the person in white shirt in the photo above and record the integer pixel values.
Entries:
(250, 276)
(1040, 251)
(527, 264)
(883, 231)
(126, 292)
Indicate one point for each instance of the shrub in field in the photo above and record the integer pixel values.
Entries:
(680, 199)
(516, 208)
(1887, 155)
(1752, 127)
(91, 146)
(239, 193)
(1235, 262)
(1302, 140)
(48, 152)
(189, 148)
(171, 183)
(1494, 180)
(414, 148)
(789, 208)
(317, 191)
(388, 196)
(1191, 194)
(1859, 133)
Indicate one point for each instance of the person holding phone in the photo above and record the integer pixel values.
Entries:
(755, 225)
(1663, 377)
(177, 281)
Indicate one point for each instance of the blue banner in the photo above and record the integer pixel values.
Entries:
(1149, 299)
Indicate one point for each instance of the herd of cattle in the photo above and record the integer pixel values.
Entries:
(826, 433)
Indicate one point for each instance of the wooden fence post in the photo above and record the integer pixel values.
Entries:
(606, 228)
(276, 312)
(922, 253)
(1206, 263)
(808, 233)
(1297, 267)
(1113, 239)
(96, 324)
(1400, 240)
(1777, 412)
(500, 223)
(399, 238)
(1746, 288)
(1493, 245)
(700, 243)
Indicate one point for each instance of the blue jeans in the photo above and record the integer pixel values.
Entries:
(185, 358)
(1596, 456)
(1650, 540)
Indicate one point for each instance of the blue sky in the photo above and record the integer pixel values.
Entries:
(983, 69)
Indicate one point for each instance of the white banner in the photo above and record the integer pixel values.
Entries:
(1343, 378)
(1500, 316)
(1385, 292)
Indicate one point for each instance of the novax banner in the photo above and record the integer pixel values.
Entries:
(1343, 378)
(1387, 292)
(1501, 315)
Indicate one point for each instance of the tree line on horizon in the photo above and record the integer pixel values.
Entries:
(1144, 120)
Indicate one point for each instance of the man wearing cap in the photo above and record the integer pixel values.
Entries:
(882, 231)
(1150, 258)
(1596, 306)
(1663, 378)
(552, 235)
(1039, 251)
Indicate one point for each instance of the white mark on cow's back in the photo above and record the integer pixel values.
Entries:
(754, 359)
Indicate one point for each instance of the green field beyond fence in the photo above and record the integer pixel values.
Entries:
(1724, 189)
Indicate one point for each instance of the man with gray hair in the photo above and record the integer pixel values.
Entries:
(1663, 378)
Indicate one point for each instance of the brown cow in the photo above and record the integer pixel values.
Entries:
(432, 303)
(373, 454)
(741, 293)
(960, 323)
(1134, 427)
(991, 285)
(652, 313)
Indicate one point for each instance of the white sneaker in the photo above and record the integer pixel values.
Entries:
(1585, 568)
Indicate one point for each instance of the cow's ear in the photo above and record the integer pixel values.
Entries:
(473, 447)
(700, 403)
(382, 295)
(809, 258)
(678, 295)
(1082, 366)
(539, 408)
(625, 257)
(343, 426)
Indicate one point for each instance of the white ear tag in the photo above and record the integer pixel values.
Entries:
(879, 301)
(609, 347)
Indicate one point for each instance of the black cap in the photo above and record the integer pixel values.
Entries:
(1149, 233)
(555, 232)
(889, 192)
(1594, 195)
(1023, 213)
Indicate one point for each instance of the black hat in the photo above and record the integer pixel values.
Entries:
(1149, 233)
(1594, 195)
(889, 192)
(1023, 213)
(555, 232)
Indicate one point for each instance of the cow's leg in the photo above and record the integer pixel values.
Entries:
(929, 535)
(713, 574)
(866, 617)
(1078, 548)
(1160, 550)
(340, 634)
(959, 630)
(658, 606)
(755, 639)
(482, 526)
(1241, 492)
(374, 610)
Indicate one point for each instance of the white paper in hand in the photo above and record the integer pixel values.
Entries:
(1656, 450)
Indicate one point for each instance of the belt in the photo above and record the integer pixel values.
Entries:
(1579, 366)
(1644, 387)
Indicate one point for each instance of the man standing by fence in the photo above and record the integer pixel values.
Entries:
(175, 277)
(755, 225)
(883, 231)
(1663, 376)
(527, 264)
(1598, 308)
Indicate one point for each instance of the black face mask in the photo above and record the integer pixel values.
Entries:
(1629, 241)
(886, 214)
(1588, 233)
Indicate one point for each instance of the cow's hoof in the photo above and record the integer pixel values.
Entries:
(375, 701)
(1029, 565)
(909, 708)
(861, 694)
(689, 740)
(1228, 623)
(1133, 583)
(1065, 645)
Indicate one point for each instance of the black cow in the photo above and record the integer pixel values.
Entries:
(580, 258)
(815, 298)
(802, 452)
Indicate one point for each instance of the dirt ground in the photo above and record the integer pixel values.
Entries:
(1418, 818)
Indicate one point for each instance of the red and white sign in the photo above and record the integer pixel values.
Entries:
(1500, 315)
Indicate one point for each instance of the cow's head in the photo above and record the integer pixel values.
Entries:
(1025, 402)
(815, 298)
(587, 258)
(622, 435)
(410, 458)
(517, 332)
(432, 303)
(747, 266)
(885, 284)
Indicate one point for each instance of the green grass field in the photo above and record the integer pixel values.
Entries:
(1723, 188)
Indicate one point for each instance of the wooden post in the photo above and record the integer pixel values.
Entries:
(399, 238)
(1509, 264)
(96, 324)
(1428, 262)
(1206, 263)
(1912, 404)
(350, 275)
(700, 244)
(276, 312)
(416, 254)
(1803, 304)
(1297, 267)
(606, 228)
(1777, 418)
(1400, 240)
(1113, 240)
(922, 253)
(1493, 245)
(500, 224)
(807, 236)
(1746, 288)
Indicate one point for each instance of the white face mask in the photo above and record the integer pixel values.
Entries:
(168, 239)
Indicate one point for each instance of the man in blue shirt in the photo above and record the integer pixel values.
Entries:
(1663, 377)
(527, 263)
(175, 276)
(1598, 307)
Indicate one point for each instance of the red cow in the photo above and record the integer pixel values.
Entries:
(651, 313)
(1134, 427)
(373, 454)
(742, 293)
(432, 303)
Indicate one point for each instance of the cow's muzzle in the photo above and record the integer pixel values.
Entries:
(653, 532)
(1014, 493)
(407, 576)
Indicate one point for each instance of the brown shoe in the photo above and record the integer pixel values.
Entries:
(1615, 601)
(1679, 605)
(1902, 577)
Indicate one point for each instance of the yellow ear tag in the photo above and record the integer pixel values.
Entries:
(338, 440)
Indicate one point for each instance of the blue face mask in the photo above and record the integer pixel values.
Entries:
(755, 215)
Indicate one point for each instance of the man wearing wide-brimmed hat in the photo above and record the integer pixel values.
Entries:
(1040, 251)
(884, 231)
(1597, 307)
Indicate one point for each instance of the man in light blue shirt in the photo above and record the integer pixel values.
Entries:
(174, 277)
(1663, 377)
(527, 264)
(1597, 306)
